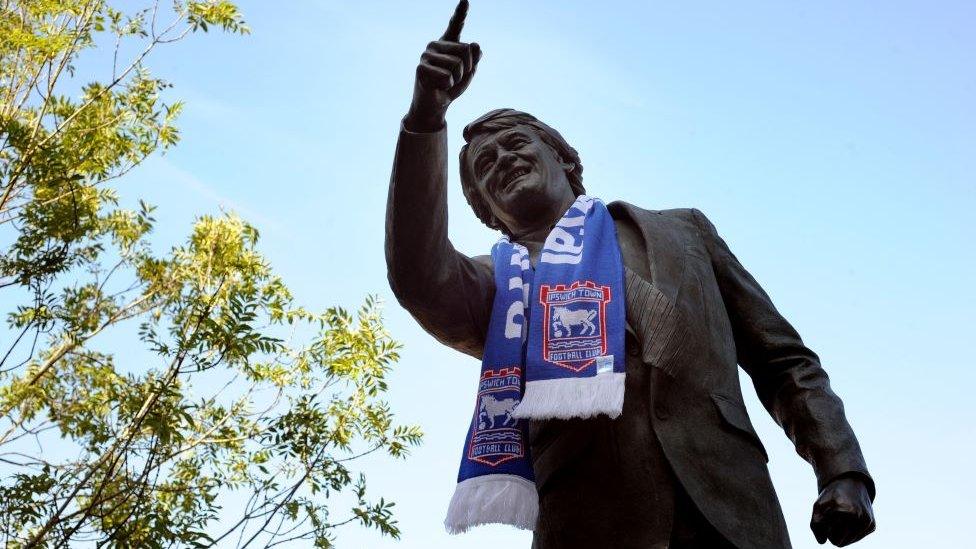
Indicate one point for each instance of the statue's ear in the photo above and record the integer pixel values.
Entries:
(568, 167)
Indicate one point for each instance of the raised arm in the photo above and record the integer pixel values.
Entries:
(796, 391)
(447, 292)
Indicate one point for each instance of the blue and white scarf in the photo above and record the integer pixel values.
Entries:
(558, 331)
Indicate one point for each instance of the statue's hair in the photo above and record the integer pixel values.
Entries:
(500, 120)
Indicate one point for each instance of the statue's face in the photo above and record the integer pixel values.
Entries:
(521, 177)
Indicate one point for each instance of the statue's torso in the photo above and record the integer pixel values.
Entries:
(606, 471)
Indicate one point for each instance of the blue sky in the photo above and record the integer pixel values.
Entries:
(833, 144)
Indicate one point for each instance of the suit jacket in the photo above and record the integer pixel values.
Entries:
(694, 314)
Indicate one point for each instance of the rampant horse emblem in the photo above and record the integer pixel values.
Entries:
(492, 408)
(496, 436)
(575, 323)
(566, 319)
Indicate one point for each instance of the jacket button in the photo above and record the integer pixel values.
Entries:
(661, 411)
(632, 349)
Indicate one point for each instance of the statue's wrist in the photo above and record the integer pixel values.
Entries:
(419, 122)
(855, 479)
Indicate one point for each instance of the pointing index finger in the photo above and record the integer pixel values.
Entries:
(453, 32)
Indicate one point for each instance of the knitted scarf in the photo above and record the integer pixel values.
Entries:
(554, 349)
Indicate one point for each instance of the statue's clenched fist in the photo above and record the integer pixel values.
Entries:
(843, 513)
(444, 72)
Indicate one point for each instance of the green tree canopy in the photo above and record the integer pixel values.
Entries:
(239, 392)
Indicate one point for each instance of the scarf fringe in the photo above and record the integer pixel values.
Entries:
(492, 499)
(572, 397)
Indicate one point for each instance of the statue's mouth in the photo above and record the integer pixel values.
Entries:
(514, 176)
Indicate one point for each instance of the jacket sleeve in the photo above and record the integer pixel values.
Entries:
(787, 375)
(447, 292)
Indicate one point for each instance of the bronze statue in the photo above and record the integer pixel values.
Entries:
(682, 466)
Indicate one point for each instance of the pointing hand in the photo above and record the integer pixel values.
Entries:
(444, 72)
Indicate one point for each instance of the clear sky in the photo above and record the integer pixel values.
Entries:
(832, 143)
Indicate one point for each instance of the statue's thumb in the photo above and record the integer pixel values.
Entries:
(819, 526)
(475, 57)
(820, 532)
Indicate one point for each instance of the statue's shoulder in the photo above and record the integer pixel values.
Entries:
(642, 215)
(483, 261)
(484, 264)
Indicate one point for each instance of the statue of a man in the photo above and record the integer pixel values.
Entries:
(682, 465)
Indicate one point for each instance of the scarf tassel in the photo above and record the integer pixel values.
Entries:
(573, 397)
(493, 499)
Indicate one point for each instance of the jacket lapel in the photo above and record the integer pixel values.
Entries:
(651, 303)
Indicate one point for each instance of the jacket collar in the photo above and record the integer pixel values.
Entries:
(664, 253)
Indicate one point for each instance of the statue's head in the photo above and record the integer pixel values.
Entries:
(517, 171)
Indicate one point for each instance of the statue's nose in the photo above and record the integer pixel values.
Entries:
(505, 160)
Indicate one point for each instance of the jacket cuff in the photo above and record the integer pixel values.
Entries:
(860, 473)
(440, 131)
(423, 143)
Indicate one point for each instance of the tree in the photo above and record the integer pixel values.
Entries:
(238, 392)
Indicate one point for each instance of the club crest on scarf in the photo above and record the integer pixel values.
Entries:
(548, 326)
(575, 327)
(496, 436)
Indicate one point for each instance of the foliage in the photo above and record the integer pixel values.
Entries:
(239, 419)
